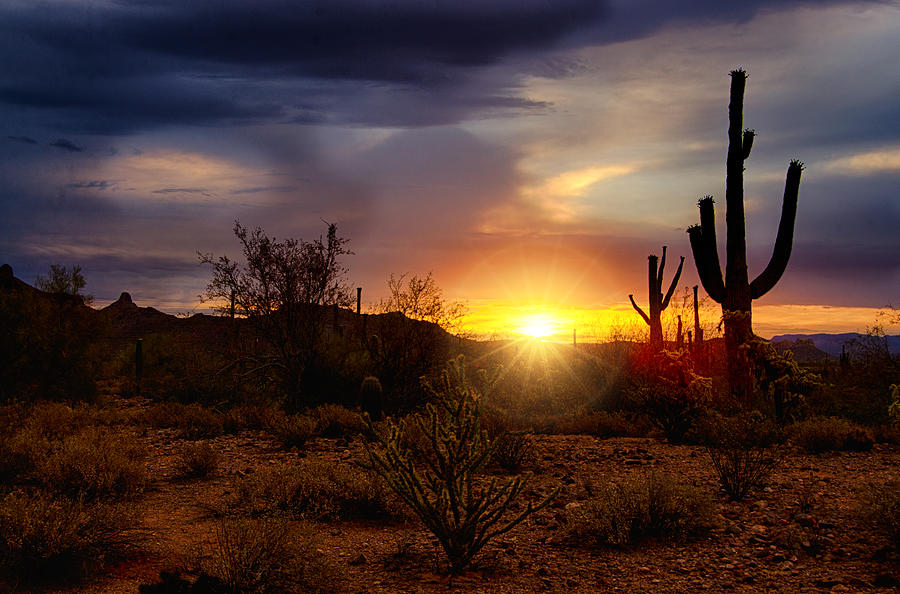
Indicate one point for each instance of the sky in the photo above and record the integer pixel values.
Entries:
(530, 154)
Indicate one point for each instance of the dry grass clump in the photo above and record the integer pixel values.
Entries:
(198, 460)
(53, 537)
(881, 508)
(824, 434)
(251, 416)
(95, 462)
(293, 431)
(514, 451)
(653, 506)
(318, 489)
(192, 421)
(334, 420)
(268, 555)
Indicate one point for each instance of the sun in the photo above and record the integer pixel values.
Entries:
(537, 325)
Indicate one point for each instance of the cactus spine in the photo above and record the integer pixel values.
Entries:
(658, 303)
(737, 292)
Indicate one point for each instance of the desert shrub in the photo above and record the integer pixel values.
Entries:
(513, 451)
(463, 514)
(198, 460)
(192, 421)
(881, 508)
(653, 506)
(602, 424)
(744, 451)
(334, 420)
(666, 389)
(42, 535)
(47, 346)
(251, 416)
(268, 555)
(293, 431)
(92, 463)
(318, 489)
(823, 434)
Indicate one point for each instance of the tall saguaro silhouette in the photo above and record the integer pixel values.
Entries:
(658, 303)
(737, 292)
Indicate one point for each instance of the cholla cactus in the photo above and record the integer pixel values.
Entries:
(440, 485)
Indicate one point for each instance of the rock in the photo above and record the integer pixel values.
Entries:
(359, 560)
(572, 505)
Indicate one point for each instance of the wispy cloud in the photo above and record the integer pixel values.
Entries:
(24, 139)
(98, 184)
(182, 191)
(258, 189)
(886, 159)
(68, 145)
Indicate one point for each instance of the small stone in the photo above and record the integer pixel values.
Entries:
(359, 560)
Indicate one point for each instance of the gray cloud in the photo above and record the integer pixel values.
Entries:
(24, 139)
(67, 145)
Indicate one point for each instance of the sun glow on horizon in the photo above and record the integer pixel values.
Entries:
(537, 325)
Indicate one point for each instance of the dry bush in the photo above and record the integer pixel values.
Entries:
(198, 460)
(318, 489)
(192, 421)
(293, 431)
(744, 451)
(513, 451)
(602, 424)
(251, 416)
(824, 434)
(654, 506)
(95, 462)
(42, 535)
(268, 555)
(881, 508)
(334, 420)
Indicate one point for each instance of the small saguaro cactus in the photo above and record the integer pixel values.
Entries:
(658, 303)
(736, 293)
(698, 331)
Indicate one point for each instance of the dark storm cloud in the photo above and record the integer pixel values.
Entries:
(24, 139)
(68, 145)
(130, 65)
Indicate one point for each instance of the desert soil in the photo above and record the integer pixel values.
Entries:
(762, 544)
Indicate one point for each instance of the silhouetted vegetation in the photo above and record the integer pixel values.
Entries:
(442, 487)
(282, 288)
(658, 303)
(737, 293)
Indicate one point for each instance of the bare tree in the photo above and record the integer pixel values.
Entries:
(61, 280)
(283, 289)
(411, 337)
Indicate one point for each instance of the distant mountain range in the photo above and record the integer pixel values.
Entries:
(832, 343)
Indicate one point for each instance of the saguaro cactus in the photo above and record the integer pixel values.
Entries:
(658, 303)
(737, 292)
(698, 331)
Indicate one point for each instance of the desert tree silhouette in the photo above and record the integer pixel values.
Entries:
(283, 288)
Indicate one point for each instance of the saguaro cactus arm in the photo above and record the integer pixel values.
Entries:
(674, 284)
(785, 238)
(638, 309)
(705, 251)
